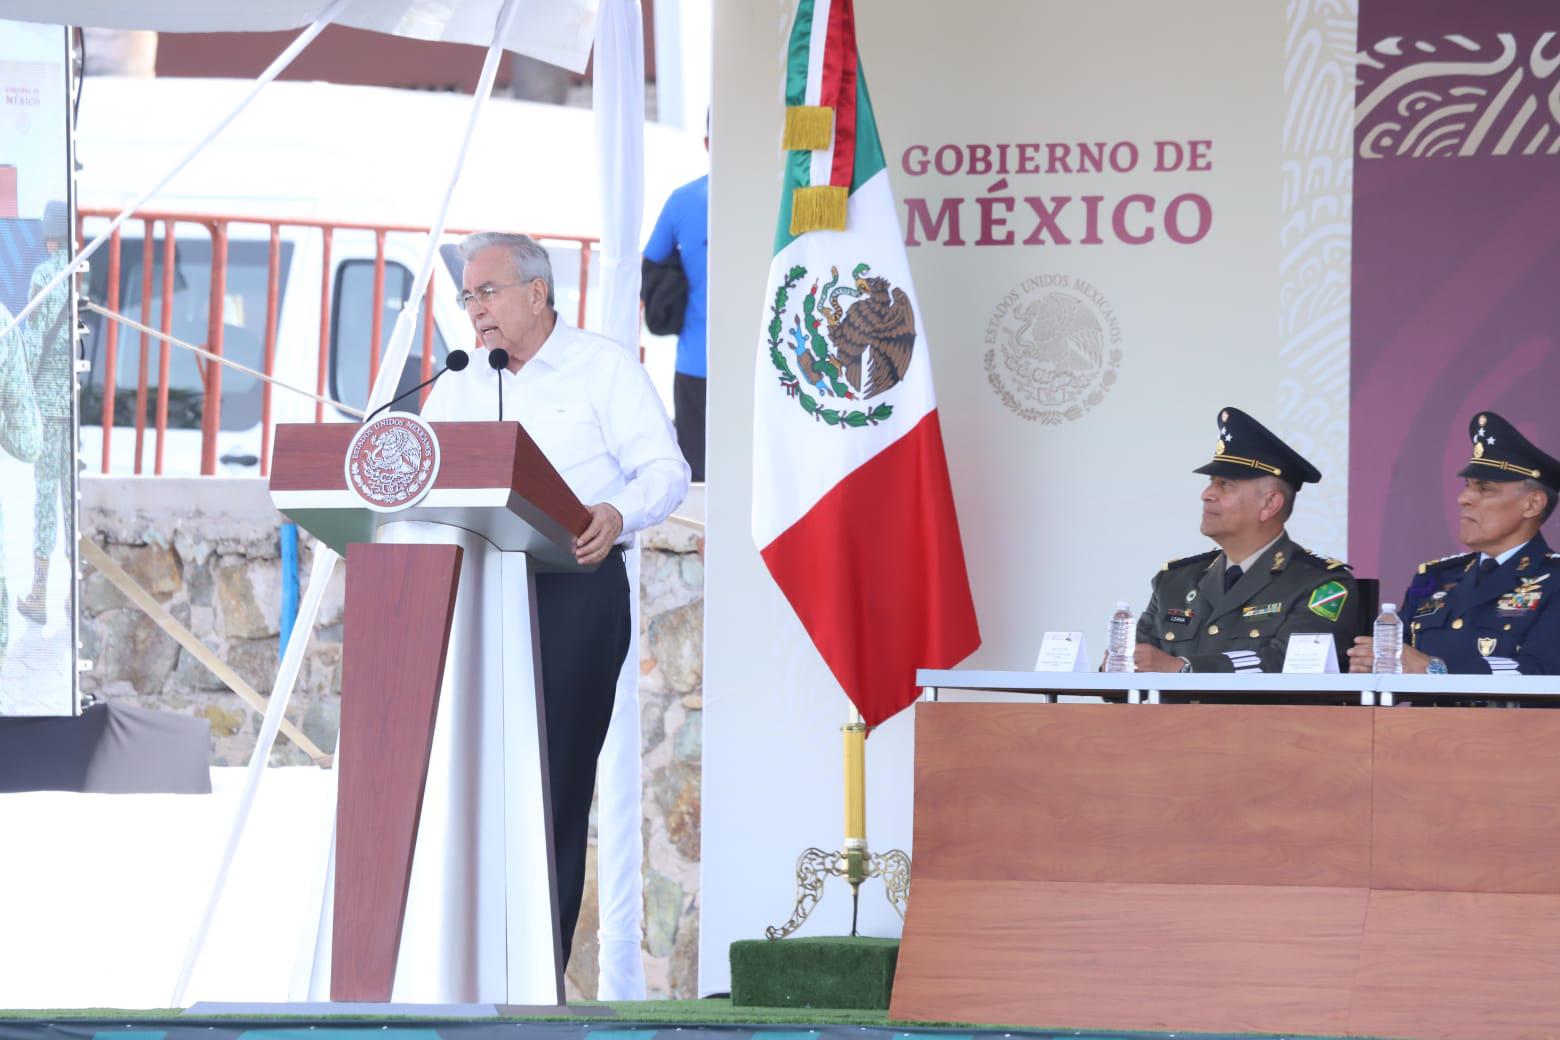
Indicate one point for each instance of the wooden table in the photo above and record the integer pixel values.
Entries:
(1230, 867)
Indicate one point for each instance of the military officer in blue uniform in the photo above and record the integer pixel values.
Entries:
(1233, 609)
(1490, 610)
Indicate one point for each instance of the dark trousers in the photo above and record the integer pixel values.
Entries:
(688, 409)
(583, 622)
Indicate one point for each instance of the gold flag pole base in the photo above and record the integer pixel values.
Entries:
(855, 865)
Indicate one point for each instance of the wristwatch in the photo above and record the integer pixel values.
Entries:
(1435, 667)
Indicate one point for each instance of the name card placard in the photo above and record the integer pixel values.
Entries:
(1311, 653)
(1063, 652)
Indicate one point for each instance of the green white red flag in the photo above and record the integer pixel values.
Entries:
(853, 510)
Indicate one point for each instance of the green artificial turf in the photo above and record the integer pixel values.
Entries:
(828, 972)
(707, 1012)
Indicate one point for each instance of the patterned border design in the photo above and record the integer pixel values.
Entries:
(1315, 243)
(1455, 97)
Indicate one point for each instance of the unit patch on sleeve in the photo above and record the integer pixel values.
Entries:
(1328, 600)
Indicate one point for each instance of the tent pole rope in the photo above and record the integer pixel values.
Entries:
(406, 323)
(324, 558)
(282, 61)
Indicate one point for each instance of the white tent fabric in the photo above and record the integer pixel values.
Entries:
(619, 100)
(559, 31)
(556, 31)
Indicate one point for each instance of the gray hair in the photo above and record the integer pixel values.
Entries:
(1286, 490)
(529, 258)
(1529, 484)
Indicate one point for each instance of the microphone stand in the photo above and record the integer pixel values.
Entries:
(498, 360)
(457, 360)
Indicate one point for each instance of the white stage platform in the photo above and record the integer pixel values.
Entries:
(100, 893)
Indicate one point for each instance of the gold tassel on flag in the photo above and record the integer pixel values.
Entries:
(808, 128)
(820, 208)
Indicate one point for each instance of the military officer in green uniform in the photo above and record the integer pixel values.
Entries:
(1234, 608)
(1491, 610)
(50, 356)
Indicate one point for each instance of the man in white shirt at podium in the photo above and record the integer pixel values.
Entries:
(592, 410)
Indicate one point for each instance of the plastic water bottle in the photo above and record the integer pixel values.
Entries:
(1388, 638)
(1123, 634)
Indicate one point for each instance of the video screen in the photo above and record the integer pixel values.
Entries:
(37, 400)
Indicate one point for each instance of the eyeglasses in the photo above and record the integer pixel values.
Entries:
(484, 292)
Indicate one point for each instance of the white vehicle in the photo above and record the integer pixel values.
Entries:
(345, 175)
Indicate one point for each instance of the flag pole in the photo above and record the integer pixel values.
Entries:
(856, 855)
(855, 863)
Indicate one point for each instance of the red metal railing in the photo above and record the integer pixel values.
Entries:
(218, 227)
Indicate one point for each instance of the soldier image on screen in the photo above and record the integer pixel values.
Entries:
(49, 358)
(20, 430)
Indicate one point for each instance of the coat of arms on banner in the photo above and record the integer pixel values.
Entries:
(1055, 348)
(392, 462)
(846, 343)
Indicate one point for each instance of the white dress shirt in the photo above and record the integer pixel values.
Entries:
(592, 410)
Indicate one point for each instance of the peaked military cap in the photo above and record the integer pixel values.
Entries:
(1246, 450)
(1501, 453)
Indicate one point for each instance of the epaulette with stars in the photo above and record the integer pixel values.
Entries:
(1326, 563)
(1186, 561)
(1447, 561)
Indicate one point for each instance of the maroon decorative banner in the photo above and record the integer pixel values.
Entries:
(1456, 268)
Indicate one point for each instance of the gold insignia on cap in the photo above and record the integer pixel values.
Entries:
(1478, 449)
(1218, 446)
(1213, 630)
(1486, 645)
(1457, 623)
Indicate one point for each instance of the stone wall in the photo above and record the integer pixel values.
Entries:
(209, 550)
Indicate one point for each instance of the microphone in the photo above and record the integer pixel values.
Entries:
(454, 362)
(498, 360)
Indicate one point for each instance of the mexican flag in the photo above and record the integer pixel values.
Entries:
(852, 507)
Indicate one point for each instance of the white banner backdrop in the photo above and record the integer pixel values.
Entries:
(1122, 216)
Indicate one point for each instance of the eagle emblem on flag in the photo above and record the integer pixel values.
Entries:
(842, 343)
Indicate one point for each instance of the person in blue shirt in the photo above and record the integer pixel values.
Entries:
(684, 228)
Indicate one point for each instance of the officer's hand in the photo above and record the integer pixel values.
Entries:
(1362, 658)
(606, 523)
(1415, 662)
(1149, 658)
(1362, 655)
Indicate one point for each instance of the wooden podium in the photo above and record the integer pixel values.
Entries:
(443, 886)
